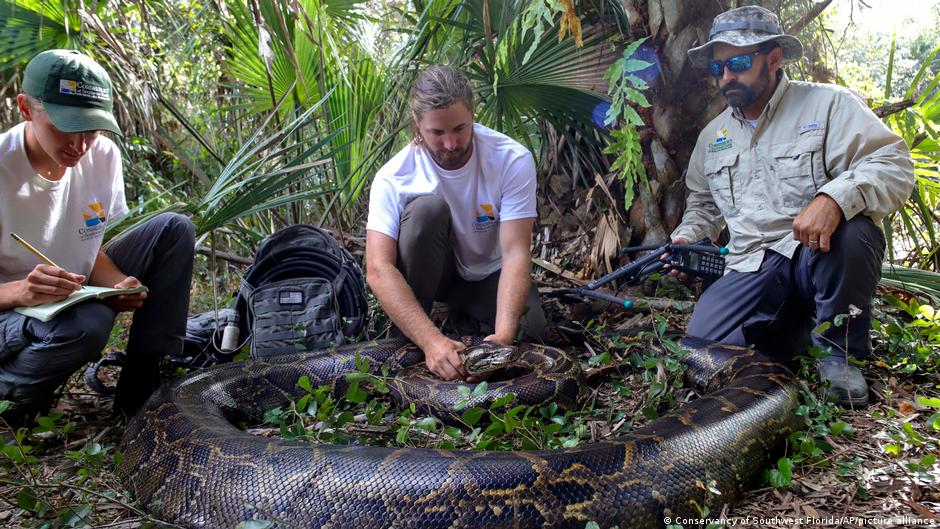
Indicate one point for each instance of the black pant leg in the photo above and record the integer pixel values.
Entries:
(833, 282)
(160, 254)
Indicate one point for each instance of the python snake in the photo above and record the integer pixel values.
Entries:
(186, 463)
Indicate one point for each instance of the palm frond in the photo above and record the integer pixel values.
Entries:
(912, 280)
(259, 175)
(28, 27)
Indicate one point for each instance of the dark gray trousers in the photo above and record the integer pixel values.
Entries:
(426, 260)
(37, 357)
(776, 307)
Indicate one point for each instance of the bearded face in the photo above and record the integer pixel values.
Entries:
(447, 135)
(742, 94)
(450, 159)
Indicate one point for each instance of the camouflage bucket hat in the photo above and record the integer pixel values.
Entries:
(746, 26)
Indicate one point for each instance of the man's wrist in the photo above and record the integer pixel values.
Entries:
(9, 295)
(429, 339)
(845, 196)
(111, 282)
(503, 337)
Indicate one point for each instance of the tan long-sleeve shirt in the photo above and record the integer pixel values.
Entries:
(811, 139)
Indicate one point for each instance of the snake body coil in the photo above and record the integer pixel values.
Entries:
(187, 463)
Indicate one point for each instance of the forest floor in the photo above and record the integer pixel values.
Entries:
(871, 467)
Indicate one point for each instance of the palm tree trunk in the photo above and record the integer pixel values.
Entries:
(682, 103)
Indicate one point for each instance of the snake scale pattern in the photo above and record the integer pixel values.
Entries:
(186, 463)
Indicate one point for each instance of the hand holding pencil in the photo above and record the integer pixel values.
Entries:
(47, 282)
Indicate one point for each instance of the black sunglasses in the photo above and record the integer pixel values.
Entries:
(737, 64)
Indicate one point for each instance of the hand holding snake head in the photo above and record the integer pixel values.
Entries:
(486, 357)
(442, 359)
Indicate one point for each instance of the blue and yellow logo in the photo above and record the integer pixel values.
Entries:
(722, 141)
(68, 87)
(488, 213)
(97, 217)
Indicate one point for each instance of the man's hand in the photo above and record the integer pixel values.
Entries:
(46, 284)
(675, 272)
(816, 223)
(127, 302)
(442, 359)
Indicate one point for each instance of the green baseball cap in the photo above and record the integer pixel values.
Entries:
(75, 91)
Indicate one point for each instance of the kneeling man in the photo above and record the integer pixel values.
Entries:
(802, 174)
(450, 219)
(61, 183)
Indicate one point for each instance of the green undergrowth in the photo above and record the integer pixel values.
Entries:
(907, 343)
(60, 472)
(365, 414)
(910, 338)
(60, 478)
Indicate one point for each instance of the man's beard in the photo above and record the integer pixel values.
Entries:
(451, 160)
(747, 94)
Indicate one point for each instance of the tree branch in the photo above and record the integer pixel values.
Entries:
(808, 17)
(892, 108)
(225, 256)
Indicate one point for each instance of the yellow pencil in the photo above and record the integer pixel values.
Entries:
(35, 251)
(38, 254)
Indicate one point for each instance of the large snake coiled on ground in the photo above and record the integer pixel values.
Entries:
(187, 463)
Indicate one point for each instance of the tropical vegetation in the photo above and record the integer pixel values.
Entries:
(249, 115)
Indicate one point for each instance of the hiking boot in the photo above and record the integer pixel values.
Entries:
(847, 386)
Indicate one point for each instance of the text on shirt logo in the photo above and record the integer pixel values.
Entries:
(722, 141)
(486, 219)
(93, 223)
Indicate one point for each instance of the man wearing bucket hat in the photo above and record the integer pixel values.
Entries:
(61, 184)
(802, 174)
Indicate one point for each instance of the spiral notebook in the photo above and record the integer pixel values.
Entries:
(48, 311)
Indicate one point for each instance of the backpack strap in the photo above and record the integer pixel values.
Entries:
(245, 289)
(340, 279)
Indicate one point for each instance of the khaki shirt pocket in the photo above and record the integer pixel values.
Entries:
(799, 171)
(720, 171)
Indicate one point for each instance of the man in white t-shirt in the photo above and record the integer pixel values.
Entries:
(450, 219)
(61, 184)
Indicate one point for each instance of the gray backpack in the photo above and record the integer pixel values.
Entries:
(303, 292)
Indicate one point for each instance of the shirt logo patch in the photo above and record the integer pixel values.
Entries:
(93, 222)
(716, 146)
(806, 127)
(97, 216)
(722, 141)
(487, 213)
(485, 218)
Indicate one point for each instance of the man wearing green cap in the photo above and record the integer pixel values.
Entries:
(802, 174)
(61, 184)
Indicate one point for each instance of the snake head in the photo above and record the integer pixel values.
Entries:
(488, 356)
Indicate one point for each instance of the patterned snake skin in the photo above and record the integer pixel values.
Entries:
(187, 463)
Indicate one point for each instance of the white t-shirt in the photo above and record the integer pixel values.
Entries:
(63, 219)
(497, 184)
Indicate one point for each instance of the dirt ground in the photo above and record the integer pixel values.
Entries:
(860, 482)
